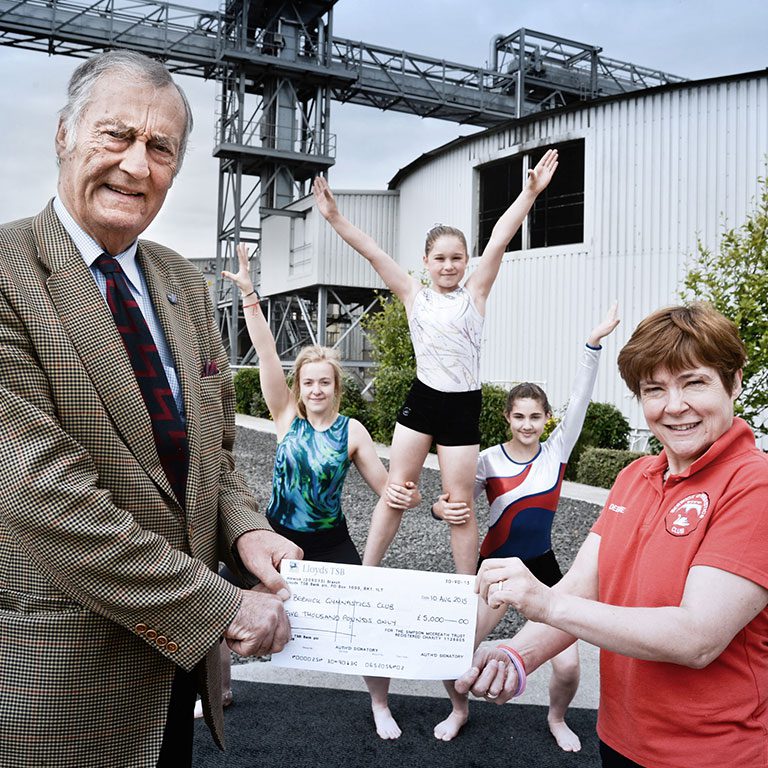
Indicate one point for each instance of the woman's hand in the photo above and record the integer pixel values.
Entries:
(506, 581)
(605, 327)
(324, 199)
(452, 512)
(405, 496)
(243, 277)
(492, 676)
(540, 176)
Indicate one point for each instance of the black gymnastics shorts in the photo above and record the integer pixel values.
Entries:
(331, 545)
(451, 418)
(544, 568)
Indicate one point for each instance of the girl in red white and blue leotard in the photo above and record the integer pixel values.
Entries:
(522, 479)
(523, 495)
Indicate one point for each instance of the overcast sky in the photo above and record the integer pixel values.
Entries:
(691, 38)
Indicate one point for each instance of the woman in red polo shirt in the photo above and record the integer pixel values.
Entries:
(672, 581)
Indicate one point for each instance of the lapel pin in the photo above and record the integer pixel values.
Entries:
(172, 297)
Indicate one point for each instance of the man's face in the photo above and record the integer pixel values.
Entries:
(115, 179)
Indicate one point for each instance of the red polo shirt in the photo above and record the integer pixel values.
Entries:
(716, 514)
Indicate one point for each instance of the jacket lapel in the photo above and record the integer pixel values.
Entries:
(174, 314)
(88, 323)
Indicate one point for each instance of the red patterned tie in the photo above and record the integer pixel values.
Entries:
(167, 427)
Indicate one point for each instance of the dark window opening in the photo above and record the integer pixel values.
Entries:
(557, 217)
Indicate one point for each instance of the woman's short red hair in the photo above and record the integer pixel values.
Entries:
(680, 337)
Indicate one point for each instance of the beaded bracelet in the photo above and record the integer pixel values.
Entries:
(517, 663)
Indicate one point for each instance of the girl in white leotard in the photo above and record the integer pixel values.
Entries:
(455, 384)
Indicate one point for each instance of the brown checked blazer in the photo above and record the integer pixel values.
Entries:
(105, 583)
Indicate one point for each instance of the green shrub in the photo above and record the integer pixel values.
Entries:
(259, 406)
(605, 426)
(549, 428)
(353, 403)
(390, 335)
(392, 385)
(599, 466)
(494, 428)
(246, 382)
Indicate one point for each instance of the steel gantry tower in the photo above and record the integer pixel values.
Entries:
(279, 67)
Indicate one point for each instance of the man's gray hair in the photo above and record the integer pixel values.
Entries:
(127, 64)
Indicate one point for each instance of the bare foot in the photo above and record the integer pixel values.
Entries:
(566, 739)
(386, 726)
(226, 700)
(449, 728)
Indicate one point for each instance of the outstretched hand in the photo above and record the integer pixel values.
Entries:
(507, 581)
(606, 326)
(540, 176)
(324, 199)
(243, 277)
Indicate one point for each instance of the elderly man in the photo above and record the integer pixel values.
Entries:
(118, 493)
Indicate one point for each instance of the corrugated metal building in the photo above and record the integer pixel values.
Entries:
(642, 177)
(661, 168)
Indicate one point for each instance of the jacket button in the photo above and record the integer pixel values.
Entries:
(150, 634)
(140, 629)
(171, 647)
(162, 640)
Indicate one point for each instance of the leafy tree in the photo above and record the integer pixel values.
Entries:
(734, 279)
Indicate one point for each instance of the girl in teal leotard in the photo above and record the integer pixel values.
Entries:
(315, 444)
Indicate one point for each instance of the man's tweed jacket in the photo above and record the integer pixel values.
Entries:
(105, 583)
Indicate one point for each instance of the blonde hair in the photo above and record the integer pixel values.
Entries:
(317, 354)
(680, 337)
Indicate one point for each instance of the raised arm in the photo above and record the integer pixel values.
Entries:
(271, 376)
(395, 277)
(481, 280)
(605, 327)
(565, 435)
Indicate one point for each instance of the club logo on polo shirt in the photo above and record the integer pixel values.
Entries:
(686, 515)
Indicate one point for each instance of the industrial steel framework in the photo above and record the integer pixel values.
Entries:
(279, 67)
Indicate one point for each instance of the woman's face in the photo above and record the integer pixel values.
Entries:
(687, 411)
(527, 419)
(317, 387)
(446, 263)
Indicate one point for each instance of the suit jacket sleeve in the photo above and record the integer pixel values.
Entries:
(78, 519)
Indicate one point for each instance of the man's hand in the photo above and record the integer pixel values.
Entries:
(260, 625)
(261, 552)
(491, 675)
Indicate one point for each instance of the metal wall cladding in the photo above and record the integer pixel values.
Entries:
(374, 212)
(302, 253)
(663, 168)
